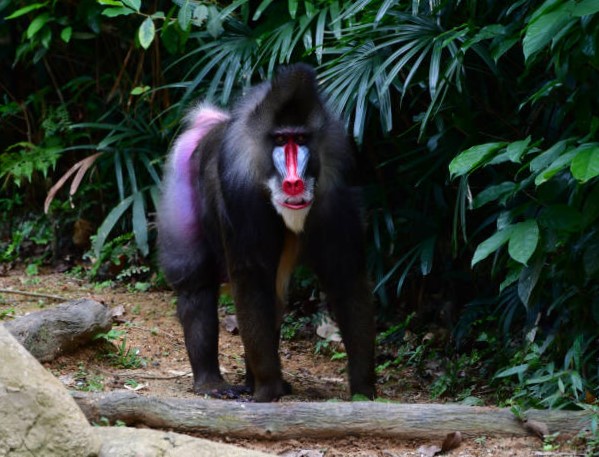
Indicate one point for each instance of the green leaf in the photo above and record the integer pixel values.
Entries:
(469, 159)
(45, 37)
(109, 223)
(518, 369)
(110, 2)
(37, 24)
(133, 4)
(585, 165)
(140, 90)
(516, 149)
(434, 67)
(585, 8)
(140, 224)
(491, 244)
(230, 8)
(381, 13)
(170, 37)
(511, 277)
(319, 35)
(523, 241)
(561, 217)
(557, 165)
(151, 169)
(547, 157)
(114, 12)
(544, 28)
(26, 9)
(66, 33)
(492, 193)
(261, 7)
(560, 385)
(487, 32)
(499, 47)
(336, 24)
(146, 33)
(577, 386)
(543, 379)
(292, 8)
(427, 254)
(310, 8)
(529, 277)
(546, 7)
(215, 22)
(155, 194)
(184, 16)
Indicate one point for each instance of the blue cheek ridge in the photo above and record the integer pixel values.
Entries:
(278, 158)
(303, 154)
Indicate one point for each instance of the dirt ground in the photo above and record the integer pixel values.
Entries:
(153, 332)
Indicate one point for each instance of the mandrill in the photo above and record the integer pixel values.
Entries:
(251, 192)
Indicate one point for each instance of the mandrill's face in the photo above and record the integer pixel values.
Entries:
(292, 190)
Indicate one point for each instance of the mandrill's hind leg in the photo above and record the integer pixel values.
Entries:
(192, 272)
(197, 311)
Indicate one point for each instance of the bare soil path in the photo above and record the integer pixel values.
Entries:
(153, 335)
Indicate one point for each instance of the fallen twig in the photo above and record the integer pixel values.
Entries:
(33, 294)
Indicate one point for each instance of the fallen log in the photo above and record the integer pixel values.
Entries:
(53, 331)
(318, 420)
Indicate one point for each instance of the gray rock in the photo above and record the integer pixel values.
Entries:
(37, 415)
(131, 442)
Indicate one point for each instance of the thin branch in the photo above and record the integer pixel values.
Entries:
(54, 82)
(139, 375)
(117, 81)
(558, 454)
(33, 294)
(23, 107)
(155, 377)
(153, 331)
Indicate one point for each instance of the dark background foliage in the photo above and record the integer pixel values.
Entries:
(475, 121)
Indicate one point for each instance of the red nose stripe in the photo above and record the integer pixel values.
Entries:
(292, 184)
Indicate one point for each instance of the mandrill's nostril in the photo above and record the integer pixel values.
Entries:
(293, 186)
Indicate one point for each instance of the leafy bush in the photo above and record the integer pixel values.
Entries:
(477, 125)
(540, 197)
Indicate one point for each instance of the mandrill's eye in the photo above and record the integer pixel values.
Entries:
(280, 140)
(301, 139)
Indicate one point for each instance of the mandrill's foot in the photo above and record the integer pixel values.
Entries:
(271, 392)
(231, 392)
(221, 390)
